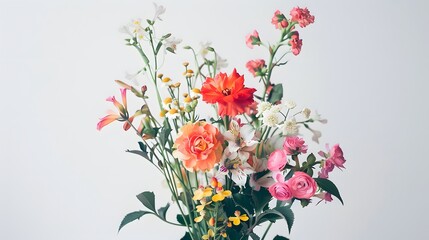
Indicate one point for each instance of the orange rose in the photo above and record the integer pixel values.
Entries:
(198, 146)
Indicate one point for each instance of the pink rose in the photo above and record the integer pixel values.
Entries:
(294, 145)
(253, 39)
(336, 156)
(295, 43)
(279, 20)
(302, 185)
(281, 189)
(301, 16)
(277, 160)
(255, 66)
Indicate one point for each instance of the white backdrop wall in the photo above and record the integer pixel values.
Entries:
(363, 66)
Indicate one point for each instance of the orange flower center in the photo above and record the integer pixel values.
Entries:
(200, 145)
(226, 92)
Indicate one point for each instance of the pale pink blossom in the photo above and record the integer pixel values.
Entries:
(253, 39)
(277, 160)
(294, 145)
(327, 197)
(295, 43)
(279, 20)
(302, 185)
(255, 67)
(302, 16)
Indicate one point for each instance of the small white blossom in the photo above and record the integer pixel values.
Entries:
(159, 10)
(172, 114)
(203, 50)
(318, 117)
(172, 43)
(290, 104)
(290, 128)
(262, 107)
(220, 62)
(306, 112)
(270, 118)
(276, 108)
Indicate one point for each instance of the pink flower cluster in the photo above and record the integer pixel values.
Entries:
(255, 67)
(334, 158)
(253, 39)
(300, 186)
(279, 20)
(302, 16)
(295, 43)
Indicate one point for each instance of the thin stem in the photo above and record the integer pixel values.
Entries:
(266, 231)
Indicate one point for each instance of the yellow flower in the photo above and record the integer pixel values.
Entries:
(238, 218)
(201, 193)
(201, 217)
(212, 221)
(187, 99)
(202, 205)
(223, 234)
(220, 196)
(209, 234)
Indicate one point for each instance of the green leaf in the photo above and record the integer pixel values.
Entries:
(243, 201)
(329, 186)
(183, 220)
(163, 135)
(148, 200)
(276, 93)
(278, 237)
(186, 237)
(143, 154)
(143, 147)
(130, 217)
(276, 213)
(254, 236)
(261, 198)
(311, 159)
(158, 47)
(163, 211)
(289, 174)
(170, 49)
(304, 202)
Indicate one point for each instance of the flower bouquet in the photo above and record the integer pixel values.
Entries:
(241, 167)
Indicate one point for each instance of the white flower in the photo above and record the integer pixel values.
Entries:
(306, 112)
(159, 10)
(276, 108)
(290, 104)
(270, 118)
(173, 113)
(135, 78)
(290, 128)
(239, 171)
(203, 50)
(172, 43)
(240, 141)
(220, 62)
(195, 92)
(318, 117)
(262, 107)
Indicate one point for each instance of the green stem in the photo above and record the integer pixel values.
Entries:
(266, 231)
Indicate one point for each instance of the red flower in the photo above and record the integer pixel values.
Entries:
(229, 92)
(295, 43)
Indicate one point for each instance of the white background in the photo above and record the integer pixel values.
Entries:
(363, 66)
